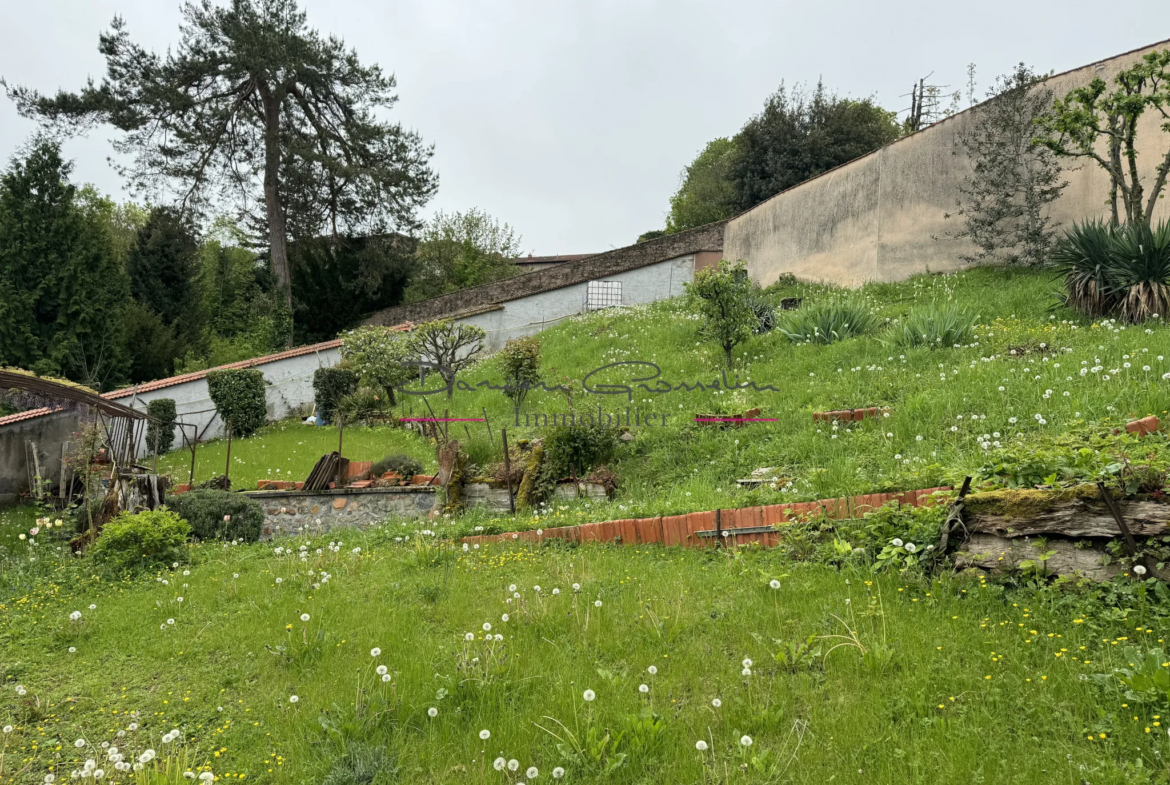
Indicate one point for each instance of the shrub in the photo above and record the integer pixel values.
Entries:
(1123, 270)
(363, 405)
(145, 540)
(578, 449)
(238, 395)
(1083, 256)
(378, 355)
(162, 421)
(520, 362)
(935, 326)
(721, 296)
(330, 385)
(404, 465)
(206, 510)
(828, 321)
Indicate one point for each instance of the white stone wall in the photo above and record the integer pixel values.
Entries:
(530, 315)
(289, 387)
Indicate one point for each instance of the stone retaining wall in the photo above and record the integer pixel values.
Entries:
(295, 512)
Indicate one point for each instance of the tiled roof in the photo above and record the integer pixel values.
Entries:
(551, 259)
(190, 377)
(30, 414)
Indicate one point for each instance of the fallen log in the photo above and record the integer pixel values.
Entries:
(1070, 512)
(1001, 554)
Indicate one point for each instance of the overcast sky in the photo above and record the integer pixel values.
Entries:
(572, 120)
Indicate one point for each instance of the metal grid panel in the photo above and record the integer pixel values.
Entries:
(603, 294)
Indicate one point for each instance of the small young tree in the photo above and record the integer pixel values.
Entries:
(723, 297)
(520, 362)
(1004, 200)
(1077, 125)
(381, 356)
(449, 345)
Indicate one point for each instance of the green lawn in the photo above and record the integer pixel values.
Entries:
(288, 450)
(938, 681)
(907, 678)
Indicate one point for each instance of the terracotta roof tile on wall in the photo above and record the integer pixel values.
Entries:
(193, 376)
(30, 414)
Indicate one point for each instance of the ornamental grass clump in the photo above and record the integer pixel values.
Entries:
(1122, 271)
(828, 321)
(936, 326)
(219, 515)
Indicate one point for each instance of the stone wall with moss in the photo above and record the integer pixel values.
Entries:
(301, 512)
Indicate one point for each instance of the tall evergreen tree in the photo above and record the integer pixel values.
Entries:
(254, 104)
(161, 266)
(61, 287)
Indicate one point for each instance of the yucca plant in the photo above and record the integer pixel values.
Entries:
(937, 326)
(1085, 257)
(1141, 269)
(828, 321)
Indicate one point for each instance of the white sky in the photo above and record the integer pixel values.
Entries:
(572, 120)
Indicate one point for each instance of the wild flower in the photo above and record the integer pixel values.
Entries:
(556, 591)
(79, 743)
(775, 584)
(385, 677)
(374, 652)
(652, 670)
(589, 696)
(532, 772)
(146, 757)
(75, 616)
(577, 586)
(487, 626)
(8, 729)
(747, 662)
(381, 670)
(485, 734)
(499, 764)
(911, 547)
(504, 617)
(597, 603)
(293, 699)
(897, 542)
(1139, 569)
(716, 702)
(642, 688)
(304, 617)
(745, 740)
(512, 588)
(432, 712)
(513, 764)
(558, 772)
(701, 745)
(469, 636)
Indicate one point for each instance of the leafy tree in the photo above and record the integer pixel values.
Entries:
(252, 99)
(238, 395)
(653, 234)
(452, 346)
(799, 135)
(458, 250)
(338, 281)
(723, 297)
(1004, 200)
(706, 193)
(60, 284)
(1100, 124)
(150, 345)
(520, 362)
(162, 267)
(378, 355)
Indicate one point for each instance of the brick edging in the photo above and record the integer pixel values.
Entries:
(682, 529)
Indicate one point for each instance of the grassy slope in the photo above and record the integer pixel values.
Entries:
(971, 683)
(695, 615)
(686, 467)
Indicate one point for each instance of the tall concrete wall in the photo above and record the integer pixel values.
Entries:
(881, 217)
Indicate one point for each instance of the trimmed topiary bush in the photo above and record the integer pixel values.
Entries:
(330, 385)
(238, 395)
(142, 541)
(219, 515)
(162, 420)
